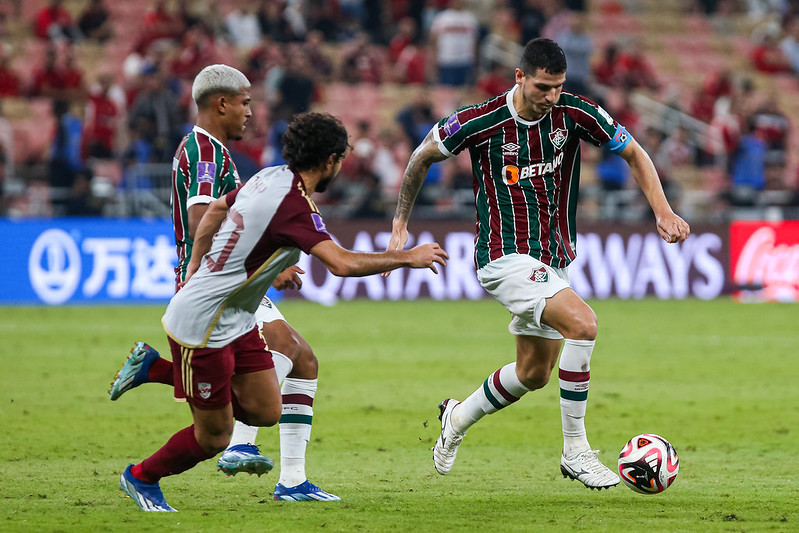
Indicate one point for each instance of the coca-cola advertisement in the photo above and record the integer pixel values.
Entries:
(764, 260)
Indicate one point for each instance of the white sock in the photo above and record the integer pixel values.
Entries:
(501, 389)
(243, 434)
(295, 429)
(283, 365)
(573, 376)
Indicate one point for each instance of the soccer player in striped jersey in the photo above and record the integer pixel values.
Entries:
(202, 171)
(525, 150)
(243, 242)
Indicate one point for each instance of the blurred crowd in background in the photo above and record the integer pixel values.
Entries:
(95, 95)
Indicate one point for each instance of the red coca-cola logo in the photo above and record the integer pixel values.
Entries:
(765, 256)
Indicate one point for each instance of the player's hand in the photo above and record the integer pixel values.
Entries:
(672, 228)
(399, 238)
(427, 255)
(289, 279)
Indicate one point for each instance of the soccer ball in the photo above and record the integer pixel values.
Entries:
(648, 463)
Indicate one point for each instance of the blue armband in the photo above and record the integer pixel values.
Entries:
(620, 140)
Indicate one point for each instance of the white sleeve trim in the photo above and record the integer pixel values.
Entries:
(441, 147)
(199, 199)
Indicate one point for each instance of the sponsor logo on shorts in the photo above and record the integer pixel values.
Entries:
(266, 302)
(204, 389)
(206, 171)
(540, 275)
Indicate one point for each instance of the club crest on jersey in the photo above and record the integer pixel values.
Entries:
(510, 149)
(204, 389)
(452, 125)
(558, 137)
(318, 222)
(206, 171)
(540, 275)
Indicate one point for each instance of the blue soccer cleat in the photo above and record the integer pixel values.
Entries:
(304, 492)
(134, 372)
(148, 496)
(244, 458)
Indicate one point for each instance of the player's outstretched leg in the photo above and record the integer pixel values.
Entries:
(304, 492)
(134, 372)
(446, 446)
(148, 496)
(589, 470)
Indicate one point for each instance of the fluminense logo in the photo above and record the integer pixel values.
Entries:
(558, 137)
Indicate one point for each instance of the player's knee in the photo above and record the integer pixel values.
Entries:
(306, 365)
(584, 327)
(535, 377)
(214, 439)
(266, 417)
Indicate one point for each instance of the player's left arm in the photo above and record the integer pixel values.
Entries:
(206, 229)
(670, 226)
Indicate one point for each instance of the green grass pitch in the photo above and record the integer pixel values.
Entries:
(716, 378)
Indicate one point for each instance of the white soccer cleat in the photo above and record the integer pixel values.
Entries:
(446, 446)
(586, 468)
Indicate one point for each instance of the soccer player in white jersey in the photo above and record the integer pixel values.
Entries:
(245, 239)
(525, 151)
(203, 170)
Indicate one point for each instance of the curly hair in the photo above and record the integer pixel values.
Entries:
(311, 138)
(544, 54)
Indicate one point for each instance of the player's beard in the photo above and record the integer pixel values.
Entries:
(323, 184)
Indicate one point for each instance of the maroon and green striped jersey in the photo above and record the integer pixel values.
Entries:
(202, 171)
(526, 174)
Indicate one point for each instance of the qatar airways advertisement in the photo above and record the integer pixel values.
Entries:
(764, 260)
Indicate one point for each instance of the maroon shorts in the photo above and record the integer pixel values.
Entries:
(202, 375)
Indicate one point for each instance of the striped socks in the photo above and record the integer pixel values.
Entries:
(501, 389)
(295, 428)
(574, 375)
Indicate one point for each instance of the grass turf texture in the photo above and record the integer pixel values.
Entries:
(717, 379)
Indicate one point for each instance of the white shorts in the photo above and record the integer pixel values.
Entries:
(522, 284)
(267, 312)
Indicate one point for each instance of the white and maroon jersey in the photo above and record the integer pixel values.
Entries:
(202, 171)
(271, 218)
(527, 173)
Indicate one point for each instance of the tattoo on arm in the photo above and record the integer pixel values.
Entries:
(415, 173)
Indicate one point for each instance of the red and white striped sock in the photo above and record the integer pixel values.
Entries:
(501, 389)
(574, 375)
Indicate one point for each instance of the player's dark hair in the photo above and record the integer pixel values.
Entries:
(311, 138)
(543, 54)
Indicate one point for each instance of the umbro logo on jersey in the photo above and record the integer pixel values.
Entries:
(266, 302)
(558, 137)
(510, 149)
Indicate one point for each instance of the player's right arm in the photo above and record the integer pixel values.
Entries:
(415, 173)
(207, 227)
(195, 213)
(345, 263)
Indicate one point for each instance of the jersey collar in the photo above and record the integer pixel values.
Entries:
(201, 130)
(514, 114)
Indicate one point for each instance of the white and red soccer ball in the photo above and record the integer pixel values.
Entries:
(648, 463)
